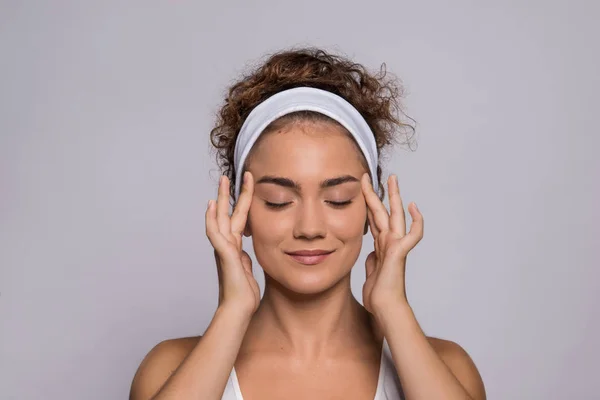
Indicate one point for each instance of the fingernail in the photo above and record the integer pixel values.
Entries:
(245, 177)
(209, 203)
(417, 208)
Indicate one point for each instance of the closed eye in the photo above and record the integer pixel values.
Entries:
(336, 204)
(276, 205)
(340, 204)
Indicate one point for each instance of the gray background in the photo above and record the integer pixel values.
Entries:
(105, 172)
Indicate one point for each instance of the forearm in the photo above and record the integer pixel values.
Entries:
(422, 372)
(204, 372)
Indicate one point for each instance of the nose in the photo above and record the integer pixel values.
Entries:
(310, 221)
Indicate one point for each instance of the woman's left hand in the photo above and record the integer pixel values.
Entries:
(384, 286)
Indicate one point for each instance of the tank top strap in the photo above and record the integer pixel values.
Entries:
(389, 387)
(232, 388)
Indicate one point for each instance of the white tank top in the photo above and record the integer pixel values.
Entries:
(388, 383)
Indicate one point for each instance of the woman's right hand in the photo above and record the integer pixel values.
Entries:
(238, 290)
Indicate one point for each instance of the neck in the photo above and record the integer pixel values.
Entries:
(309, 326)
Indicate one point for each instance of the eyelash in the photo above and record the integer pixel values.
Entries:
(335, 204)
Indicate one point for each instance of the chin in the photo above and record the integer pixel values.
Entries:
(307, 286)
(307, 279)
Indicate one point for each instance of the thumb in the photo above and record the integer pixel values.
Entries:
(370, 263)
(246, 262)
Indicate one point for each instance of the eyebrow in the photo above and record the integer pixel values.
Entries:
(288, 183)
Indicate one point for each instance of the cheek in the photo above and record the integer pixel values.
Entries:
(348, 224)
(266, 228)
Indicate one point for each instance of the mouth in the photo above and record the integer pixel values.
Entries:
(310, 257)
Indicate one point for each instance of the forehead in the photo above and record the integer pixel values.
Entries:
(306, 149)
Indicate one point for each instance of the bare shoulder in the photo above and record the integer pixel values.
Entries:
(461, 365)
(158, 365)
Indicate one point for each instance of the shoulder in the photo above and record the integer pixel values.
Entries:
(460, 364)
(158, 365)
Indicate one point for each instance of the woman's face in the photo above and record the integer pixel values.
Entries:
(300, 204)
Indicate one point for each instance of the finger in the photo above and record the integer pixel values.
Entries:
(380, 214)
(397, 216)
(223, 207)
(374, 230)
(372, 227)
(417, 227)
(212, 227)
(240, 213)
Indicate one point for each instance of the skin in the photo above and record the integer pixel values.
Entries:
(308, 337)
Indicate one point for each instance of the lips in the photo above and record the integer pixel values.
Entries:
(310, 257)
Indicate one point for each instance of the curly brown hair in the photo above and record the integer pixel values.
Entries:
(375, 96)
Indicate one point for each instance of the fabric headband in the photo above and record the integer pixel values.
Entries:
(304, 99)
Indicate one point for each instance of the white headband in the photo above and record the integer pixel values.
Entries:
(304, 99)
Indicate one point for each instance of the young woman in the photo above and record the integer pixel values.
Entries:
(304, 132)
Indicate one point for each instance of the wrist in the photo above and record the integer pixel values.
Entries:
(234, 313)
(393, 312)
